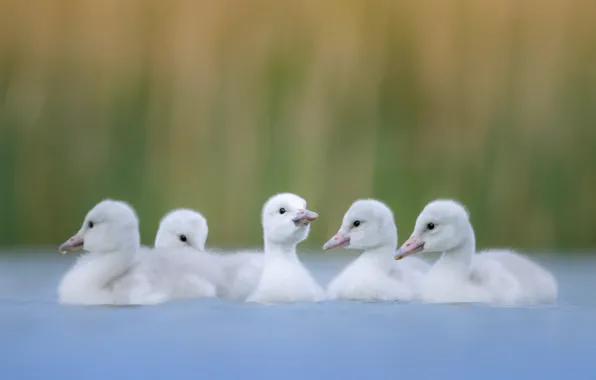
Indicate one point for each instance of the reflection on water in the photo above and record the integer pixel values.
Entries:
(210, 338)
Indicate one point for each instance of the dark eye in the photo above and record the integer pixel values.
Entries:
(282, 210)
(356, 223)
(430, 226)
(183, 238)
(90, 224)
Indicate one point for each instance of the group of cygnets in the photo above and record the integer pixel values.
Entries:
(117, 270)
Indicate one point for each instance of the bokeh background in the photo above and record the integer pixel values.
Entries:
(216, 105)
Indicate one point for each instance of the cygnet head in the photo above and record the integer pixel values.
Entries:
(442, 226)
(182, 228)
(110, 226)
(368, 224)
(286, 220)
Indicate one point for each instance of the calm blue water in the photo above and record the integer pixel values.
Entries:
(217, 339)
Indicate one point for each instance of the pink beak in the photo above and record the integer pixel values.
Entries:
(75, 243)
(413, 245)
(336, 242)
(305, 217)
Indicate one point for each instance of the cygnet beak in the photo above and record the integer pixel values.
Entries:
(305, 217)
(413, 245)
(337, 241)
(75, 243)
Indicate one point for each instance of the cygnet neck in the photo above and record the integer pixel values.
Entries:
(108, 266)
(380, 256)
(127, 248)
(461, 257)
(279, 250)
(123, 248)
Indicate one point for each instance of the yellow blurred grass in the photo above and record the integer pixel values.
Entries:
(217, 105)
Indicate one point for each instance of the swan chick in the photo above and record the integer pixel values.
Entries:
(369, 226)
(235, 275)
(462, 275)
(286, 222)
(110, 236)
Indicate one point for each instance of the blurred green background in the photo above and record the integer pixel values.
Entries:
(216, 105)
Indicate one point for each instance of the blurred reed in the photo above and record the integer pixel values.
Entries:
(216, 105)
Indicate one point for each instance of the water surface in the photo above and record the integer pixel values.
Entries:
(218, 339)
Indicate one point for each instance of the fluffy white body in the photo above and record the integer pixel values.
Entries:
(501, 277)
(242, 273)
(161, 275)
(236, 274)
(286, 222)
(368, 225)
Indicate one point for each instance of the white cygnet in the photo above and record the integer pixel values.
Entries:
(368, 225)
(286, 222)
(460, 275)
